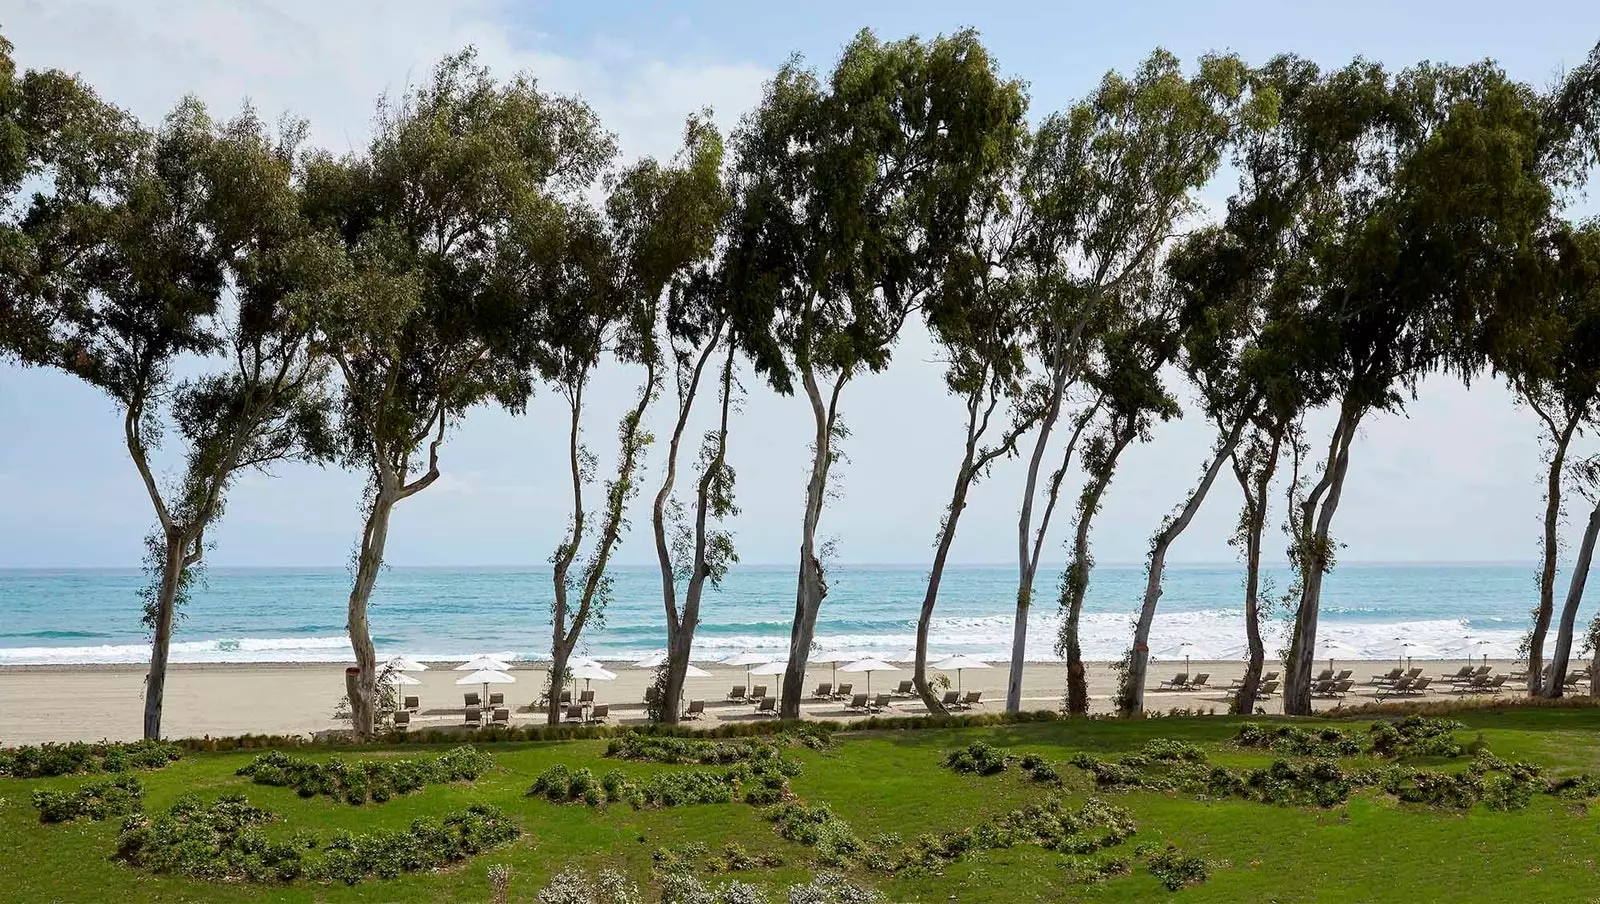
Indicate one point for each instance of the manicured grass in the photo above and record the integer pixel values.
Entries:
(1372, 849)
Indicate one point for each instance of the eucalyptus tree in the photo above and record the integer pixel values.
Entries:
(661, 224)
(431, 313)
(1107, 184)
(979, 316)
(1445, 192)
(698, 333)
(852, 194)
(1134, 349)
(1255, 463)
(192, 253)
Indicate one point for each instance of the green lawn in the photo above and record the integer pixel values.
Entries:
(1372, 849)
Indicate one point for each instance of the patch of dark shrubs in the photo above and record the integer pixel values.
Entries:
(760, 782)
(224, 841)
(979, 757)
(77, 758)
(1296, 741)
(677, 750)
(97, 800)
(1173, 867)
(1416, 736)
(364, 780)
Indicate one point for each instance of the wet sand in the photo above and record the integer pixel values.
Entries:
(89, 703)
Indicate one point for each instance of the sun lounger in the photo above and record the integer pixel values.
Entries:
(737, 693)
(767, 707)
(600, 712)
(565, 699)
(1462, 675)
(1341, 687)
(696, 710)
(1468, 685)
(844, 692)
(497, 700)
(1344, 674)
(574, 713)
(586, 697)
(1401, 686)
(1178, 682)
(1388, 677)
(501, 717)
(973, 698)
(1267, 689)
(472, 699)
(952, 699)
(413, 704)
(906, 689)
(824, 692)
(759, 692)
(858, 704)
(1325, 675)
(474, 717)
(1199, 682)
(1322, 688)
(879, 703)
(402, 721)
(1415, 673)
(1491, 685)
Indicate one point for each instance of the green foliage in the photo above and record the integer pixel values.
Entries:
(95, 800)
(224, 842)
(359, 782)
(982, 758)
(1291, 739)
(760, 781)
(1416, 736)
(77, 758)
(1175, 869)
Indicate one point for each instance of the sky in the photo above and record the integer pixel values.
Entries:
(1456, 478)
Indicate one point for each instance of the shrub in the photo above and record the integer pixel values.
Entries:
(980, 757)
(1296, 741)
(77, 758)
(96, 800)
(1319, 783)
(358, 782)
(831, 889)
(1173, 751)
(1416, 735)
(1175, 869)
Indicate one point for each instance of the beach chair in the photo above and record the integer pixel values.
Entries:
(1388, 677)
(574, 713)
(905, 689)
(1267, 689)
(1418, 687)
(696, 710)
(565, 699)
(1325, 675)
(844, 692)
(879, 703)
(651, 695)
(474, 717)
(952, 699)
(1178, 682)
(1415, 673)
(737, 694)
(1483, 671)
(759, 692)
(1463, 675)
(1341, 687)
(497, 700)
(858, 704)
(973, 698)
(1199, 682)
(1322, 688)
(501, 717)
(413, 704)
(1468, 686)
(1493, 685)
(472, 699)
(824, 691)
(767, 707)
(402, 721)
(600, 712)
(1344, 674)
(586, 697)
(1401, 686)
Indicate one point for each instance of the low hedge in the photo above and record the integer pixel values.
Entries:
(95, 800)
(358, 782)
(77, 758)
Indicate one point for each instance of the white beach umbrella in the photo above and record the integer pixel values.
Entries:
(869, 666)
(487, 677)
(770, 668)
(1473, 645)
(1184, 649)
(653, 661)
(404, 664)
(958, 662)
(589, 661)
(592, 671)
(694, 671)
(1328, 647)
(833, 658)
(747, 659)
(484, 662)
(398, 679)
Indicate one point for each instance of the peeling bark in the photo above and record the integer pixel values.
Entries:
(1075, 585)
(1254, 488)
(811, 586)
(1562, 653)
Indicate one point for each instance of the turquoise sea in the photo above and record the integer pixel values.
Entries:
(297, 614)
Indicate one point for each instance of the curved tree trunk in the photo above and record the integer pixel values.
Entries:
(369, 561)
(1254, 488)
(811, 585)
(172, 567)
(1315, 556)
(1075, 584)
(1562, 653)
(1132, 696)
(1550, 553)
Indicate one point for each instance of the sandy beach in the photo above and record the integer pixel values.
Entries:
(66, 703)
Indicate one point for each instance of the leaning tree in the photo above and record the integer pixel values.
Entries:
(851, 193)
(430, 314)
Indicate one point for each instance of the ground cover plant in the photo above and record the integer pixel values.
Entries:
(880, 810)
(76, 758)
(358, 782)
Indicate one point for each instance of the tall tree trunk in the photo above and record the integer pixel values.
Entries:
(1314, 558)
(1075, 583)
(1550, 552)
(1569, 610)
(1030, 548)
(164, 611)
(1132, 697)
(369, 561)
(1254, 487)
(811, 586)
